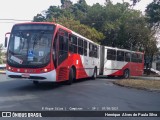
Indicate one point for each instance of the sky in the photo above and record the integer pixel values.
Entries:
(27, 9)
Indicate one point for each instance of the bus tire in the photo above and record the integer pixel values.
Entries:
(35, 82)
(94, 76)
(126, 74)
(71, 77)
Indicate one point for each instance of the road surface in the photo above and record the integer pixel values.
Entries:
(21, 95)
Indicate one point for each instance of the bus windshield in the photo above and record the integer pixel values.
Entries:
(30, 45)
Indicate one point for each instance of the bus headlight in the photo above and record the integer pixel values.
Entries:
(45, 70)
(9, 68)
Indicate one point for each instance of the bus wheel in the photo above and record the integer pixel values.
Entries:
(71, 77)
(35, 82)
(126, 74)
(94, 76)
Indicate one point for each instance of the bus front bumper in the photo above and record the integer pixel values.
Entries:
(46, 77)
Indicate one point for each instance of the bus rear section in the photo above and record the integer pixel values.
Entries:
(50, 52)
(121, 62)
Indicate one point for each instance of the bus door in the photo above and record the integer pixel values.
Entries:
(62, 55)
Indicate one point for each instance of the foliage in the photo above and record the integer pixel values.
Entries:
(134, 2)
(88, 32)
(113, 25)
(69, 17)
(122, 26)
(153, 13)
(39, 18)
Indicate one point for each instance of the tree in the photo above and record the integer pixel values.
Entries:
(112, 25)
(39, 18)
(69, 16)
(134, 2)
(153, 13)
(153, 18)
(66, 4)
(79, 10)
(53, 12)
(86, 31)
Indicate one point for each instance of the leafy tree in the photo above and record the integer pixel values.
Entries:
(79, 10)
(135, 2)
(39, 18)
(112, 25)
(153, 13)
(66, 4)
(88, 32)
(70, 17)
(53, 12)
(153, 18)
(95, 17)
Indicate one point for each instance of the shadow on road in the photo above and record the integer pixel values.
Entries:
(29, 86)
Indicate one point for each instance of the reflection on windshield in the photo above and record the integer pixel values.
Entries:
(29, 47)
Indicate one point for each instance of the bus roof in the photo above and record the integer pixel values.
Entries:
(76, 34)
(125, 50)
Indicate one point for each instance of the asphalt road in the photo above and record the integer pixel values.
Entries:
(21, 95)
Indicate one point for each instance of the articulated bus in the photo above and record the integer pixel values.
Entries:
(43, 51)
(121, 62)
(49, 52)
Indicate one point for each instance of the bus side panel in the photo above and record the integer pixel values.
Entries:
(86, 66)
(115, 68)
(136, 69)
(81, 66)
(75, 60)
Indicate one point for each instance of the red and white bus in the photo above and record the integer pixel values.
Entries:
(43, 51)
(121, 62)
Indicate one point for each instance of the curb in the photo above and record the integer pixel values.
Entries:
(145, 89)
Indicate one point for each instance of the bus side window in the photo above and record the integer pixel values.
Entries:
(140, 57)
(127, 57)
(63, 45)
(120, 56)
(90, 50)
(95, 51)
(80, 46)
(54, 54)
(85, 48)
(111, 54)
(134, 57)
(72, 43)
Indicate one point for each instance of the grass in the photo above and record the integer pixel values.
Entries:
(139, 84)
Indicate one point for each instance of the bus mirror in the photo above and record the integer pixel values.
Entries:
(6, 38)
(6, 41)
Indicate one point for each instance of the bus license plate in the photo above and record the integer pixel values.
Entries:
(25, 75)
